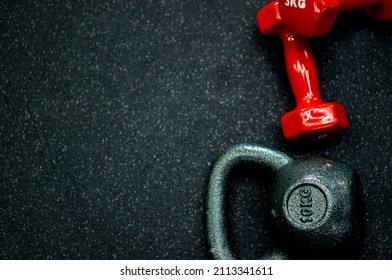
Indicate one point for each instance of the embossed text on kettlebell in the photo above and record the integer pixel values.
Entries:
(306, 205)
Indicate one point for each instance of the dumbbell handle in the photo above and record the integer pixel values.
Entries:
(300, 65)
(301, 70)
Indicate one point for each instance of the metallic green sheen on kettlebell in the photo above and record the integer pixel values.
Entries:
(316, 205)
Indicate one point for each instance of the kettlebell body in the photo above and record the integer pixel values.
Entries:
(315, 206)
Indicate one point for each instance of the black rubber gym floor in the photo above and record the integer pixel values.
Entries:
(113, 112)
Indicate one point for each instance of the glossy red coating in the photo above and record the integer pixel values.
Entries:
(314, 122)
(311, 18)
(381, 12)
(312, 117)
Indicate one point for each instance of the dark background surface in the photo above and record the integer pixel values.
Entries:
(113, 112)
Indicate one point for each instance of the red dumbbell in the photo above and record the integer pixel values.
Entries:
(312, 117)
(310, 18)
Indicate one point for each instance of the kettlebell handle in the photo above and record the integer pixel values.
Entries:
(216, 193)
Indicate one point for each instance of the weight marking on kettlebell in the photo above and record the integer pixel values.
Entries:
(306, 205)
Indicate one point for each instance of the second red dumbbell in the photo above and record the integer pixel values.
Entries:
(312, 117)
(310, 18)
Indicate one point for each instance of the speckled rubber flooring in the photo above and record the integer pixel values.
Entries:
(113, 112)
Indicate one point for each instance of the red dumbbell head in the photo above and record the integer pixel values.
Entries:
(382, 11)
(326, 119)
(309, 18)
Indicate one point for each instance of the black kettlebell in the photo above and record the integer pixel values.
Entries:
(316, 205)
